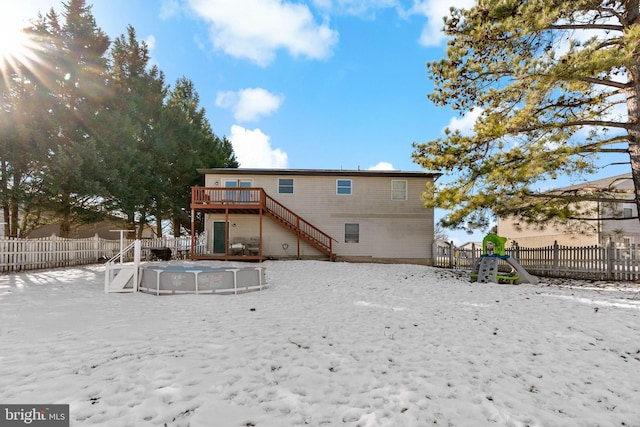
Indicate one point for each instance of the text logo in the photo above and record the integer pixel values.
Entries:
(34, 415)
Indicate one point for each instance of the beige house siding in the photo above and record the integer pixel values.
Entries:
(600, 231)
(389, 230)
(531, 237)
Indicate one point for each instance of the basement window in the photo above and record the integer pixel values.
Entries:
(352, 233)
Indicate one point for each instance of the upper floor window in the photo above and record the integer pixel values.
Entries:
(628, 212)
(398, 190)
(343, 186)
(285, 185)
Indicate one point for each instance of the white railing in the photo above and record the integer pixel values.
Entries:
(53, 252)
(121, 277)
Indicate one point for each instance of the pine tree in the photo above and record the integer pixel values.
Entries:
(186, 143)
(74, 80)
(130, 129)
(557, 84)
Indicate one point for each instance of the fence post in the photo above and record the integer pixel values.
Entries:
(556, 258)
(473, 254)
(611, 254)
(434, 253)
(451, 254)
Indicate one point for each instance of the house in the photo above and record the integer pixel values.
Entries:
(374, 216)
(108, 228)
(615, 223)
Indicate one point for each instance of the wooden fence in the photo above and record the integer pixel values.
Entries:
(53, 252)
(586, 262)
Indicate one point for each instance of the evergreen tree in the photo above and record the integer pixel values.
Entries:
(186, 143)
(27, 126)
(84, 134)
(21, 152)
(130, 128)
(557, 84)
(75, 80)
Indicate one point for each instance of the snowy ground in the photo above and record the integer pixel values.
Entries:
(327, 344)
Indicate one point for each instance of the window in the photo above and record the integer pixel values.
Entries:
(237, 195)
(285, 185)
(343, 186)
(398, 190)
(352, 233)
(628, 212)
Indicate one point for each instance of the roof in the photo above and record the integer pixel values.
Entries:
(320, 172)
(618, 181)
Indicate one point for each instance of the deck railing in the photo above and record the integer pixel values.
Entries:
(300, 225)
(257, 197)
(226, 196)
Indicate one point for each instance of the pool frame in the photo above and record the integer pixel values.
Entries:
(200, 279)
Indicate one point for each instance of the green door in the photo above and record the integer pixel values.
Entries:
(219, 228)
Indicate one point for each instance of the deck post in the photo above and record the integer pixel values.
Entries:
(193, 233)
(260, 241)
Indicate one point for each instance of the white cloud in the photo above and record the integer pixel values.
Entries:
(382, 166)
(150, 41)
(465, 123)
(249, 104)
(434, 11)
(253, 149)
(256, 29)
(169, 8)
(354, 7)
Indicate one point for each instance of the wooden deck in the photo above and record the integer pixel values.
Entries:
(220, 200)
(254, 201)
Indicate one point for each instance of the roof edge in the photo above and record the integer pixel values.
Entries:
(318, 172)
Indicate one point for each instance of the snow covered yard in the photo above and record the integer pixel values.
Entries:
(326, 344)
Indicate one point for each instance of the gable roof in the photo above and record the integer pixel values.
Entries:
(623, 181)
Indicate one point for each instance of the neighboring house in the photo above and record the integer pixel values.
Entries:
(470, 246)
(315, 214)
(106, 229)
(612, 222)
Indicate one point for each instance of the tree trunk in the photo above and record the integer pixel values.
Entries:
(65, 220)
(176, 227)
(158, 226)
(131, 225)
(633, 105)
(13, 219)
(14, 206)
(5, 203)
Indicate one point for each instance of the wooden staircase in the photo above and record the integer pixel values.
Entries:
(255, 200)
(295, 224)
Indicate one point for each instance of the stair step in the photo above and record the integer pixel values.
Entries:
(292, 227)
(122, 278)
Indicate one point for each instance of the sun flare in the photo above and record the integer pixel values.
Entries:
(14, 45)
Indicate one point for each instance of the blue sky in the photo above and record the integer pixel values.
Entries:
(319, 84)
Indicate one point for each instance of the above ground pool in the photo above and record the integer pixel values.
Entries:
(168, 278)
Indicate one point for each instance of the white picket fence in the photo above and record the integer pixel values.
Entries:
(53, 252)
(583, 262)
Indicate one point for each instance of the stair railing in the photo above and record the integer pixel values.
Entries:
(113, 269)
(298, 224)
